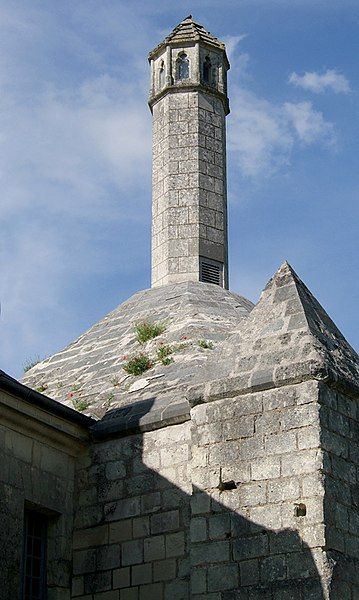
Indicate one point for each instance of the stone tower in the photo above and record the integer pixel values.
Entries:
(189, 103)
(217, 460)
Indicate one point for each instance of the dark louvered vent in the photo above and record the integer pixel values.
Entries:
(211, 271)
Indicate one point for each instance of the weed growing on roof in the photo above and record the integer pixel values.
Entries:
(138, 364)
(146, 330)
(182, 345)
(42, 388)
(30, 363)
(163, 354)
(79, 404)
(207, 344)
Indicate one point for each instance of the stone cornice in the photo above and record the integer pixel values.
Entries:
(259, 381)
(27, 411)
(187, 44)
(140, 417)
(189, 87)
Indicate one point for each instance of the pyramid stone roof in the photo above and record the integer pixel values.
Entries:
(189, 31)
(287, 338)
(89, 373)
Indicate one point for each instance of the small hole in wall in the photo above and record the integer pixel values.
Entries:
(300, 510)
(227, 485)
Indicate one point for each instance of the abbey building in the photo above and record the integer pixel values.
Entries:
(190, 444)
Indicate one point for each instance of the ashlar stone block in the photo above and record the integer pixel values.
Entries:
(132, 552)
(121, 578)
(154, 548)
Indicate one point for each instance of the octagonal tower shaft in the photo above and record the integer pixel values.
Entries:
(189, 103)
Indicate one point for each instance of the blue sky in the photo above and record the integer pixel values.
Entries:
(75, 156)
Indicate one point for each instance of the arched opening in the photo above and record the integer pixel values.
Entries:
(207, 71)
(161, 76)
(182, 66)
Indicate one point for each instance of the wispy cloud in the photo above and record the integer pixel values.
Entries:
(319, 83)
(71, 149)
(232, 42)
(258, 135)
(262, 134)
(83, 139)
(309, 125)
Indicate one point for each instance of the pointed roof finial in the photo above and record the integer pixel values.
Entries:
(188, 31)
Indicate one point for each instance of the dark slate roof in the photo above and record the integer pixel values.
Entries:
(89, 375)
(189, 31)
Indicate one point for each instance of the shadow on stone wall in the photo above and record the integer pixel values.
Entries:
(272, 564)
(9, 552)
(181, 543)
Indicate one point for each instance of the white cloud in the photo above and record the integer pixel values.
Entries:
(257, 135)
(232, 42)
(75, 156)
(75, 174)
(84, 139)
(318, 83)
(262, 134)
(309, 124)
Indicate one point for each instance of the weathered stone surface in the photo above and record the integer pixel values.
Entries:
(181, 189)
(90, 370)
(37, 465)
(275, 346)
(154, 508)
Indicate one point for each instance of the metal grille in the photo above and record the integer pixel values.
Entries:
(34, 558)
(211, 272)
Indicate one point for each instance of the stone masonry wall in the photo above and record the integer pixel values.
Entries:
(156, 520)
(253, 537)
(189, 217)
(340, 442)
(38, 472)
(132, 523)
